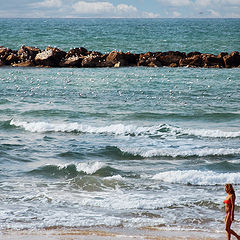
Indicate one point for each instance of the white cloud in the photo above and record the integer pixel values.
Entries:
(176, 14)
(47, 4)
(150, 15)
(107, 9)
(203, 3)
(215, 3)
(124, 8)
(175, 3)
(214, 13)
(93, 7)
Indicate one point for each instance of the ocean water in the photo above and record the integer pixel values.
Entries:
(119, 147)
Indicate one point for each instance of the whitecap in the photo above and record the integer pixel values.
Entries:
(211, 133)
(90, 168)
(196, 177)
(178, 152)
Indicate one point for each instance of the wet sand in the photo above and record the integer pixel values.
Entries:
(107, 233)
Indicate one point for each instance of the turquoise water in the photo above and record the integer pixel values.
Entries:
(130, 147)
(136, 35)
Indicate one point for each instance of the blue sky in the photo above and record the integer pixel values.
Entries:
(120, 8)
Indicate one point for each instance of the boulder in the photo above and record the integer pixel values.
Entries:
(232, 60)
(173, 65)
(125, 59)
(28, 53)
(12, 58)
(193, 61)
(212, 61)
(4, 53)
(77, 52)
(27, 63)
(222, 54)
(191, 54)
(73, 61)
(93, 60)
(167, 58)
(149, 59)
(51, 57)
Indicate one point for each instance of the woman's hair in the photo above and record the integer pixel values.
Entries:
(229, 188)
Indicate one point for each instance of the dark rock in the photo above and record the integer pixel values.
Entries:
(191, 54)
(27, 63)
(173, 65)
(96, 61)
(167, 58)
(149, 59)
(123, 59)
(77, 52)
(232, 60)
(210, 60)
(94, 53)
(4, 53)
(28, 53)
(222, 54)
(194, 61)
(74, 61)
(12, 58)
(51, 57)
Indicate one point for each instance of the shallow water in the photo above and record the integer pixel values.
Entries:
(132, 147)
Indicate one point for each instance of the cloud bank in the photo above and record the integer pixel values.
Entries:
(121, 8)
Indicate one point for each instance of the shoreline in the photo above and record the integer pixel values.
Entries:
(88, 233)
(82, 58)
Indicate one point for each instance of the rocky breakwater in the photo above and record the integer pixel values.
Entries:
(80, 57)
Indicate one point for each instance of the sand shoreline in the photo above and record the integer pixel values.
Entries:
(107, 233)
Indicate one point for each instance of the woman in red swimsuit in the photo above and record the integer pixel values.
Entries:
(229, 207)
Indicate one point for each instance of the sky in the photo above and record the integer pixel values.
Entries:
(120, 8)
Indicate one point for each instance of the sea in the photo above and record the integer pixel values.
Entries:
(128, 147)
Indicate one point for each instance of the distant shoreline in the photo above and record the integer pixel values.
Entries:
(82, 58)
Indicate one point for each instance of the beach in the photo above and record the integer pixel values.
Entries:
(113, 233)
(119, 152)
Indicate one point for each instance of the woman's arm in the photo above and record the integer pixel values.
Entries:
(232, 199)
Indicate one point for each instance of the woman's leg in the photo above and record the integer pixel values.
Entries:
(234, 234)
(228, 223)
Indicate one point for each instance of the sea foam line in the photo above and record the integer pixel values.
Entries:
(117, 129)
(196, 177)
(87, 167)
(121, 129)
(173, 152)
(210, 133)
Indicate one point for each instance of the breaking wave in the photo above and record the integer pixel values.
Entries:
(73, 170)
(121, 129)
(174, 153)
(195, 177)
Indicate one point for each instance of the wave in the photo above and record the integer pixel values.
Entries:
(196, 177)
(76, 169)
(162, 130)
(118, 129)
(174, 153)
(216, 116)
(210, 133)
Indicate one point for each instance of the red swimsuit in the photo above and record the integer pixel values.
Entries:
(227, 201)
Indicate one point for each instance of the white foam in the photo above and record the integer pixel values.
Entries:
(115, 177)
(196, 177)
(118, 129)
(90, 168)
(210, 133)
(121, 129)
(178, 152)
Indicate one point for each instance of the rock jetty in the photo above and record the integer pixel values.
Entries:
(80, 57)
